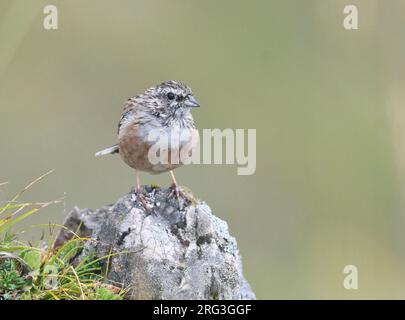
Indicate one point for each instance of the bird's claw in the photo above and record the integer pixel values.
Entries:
(142, 199)
(178, 193)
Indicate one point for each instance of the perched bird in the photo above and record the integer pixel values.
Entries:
(165, 111)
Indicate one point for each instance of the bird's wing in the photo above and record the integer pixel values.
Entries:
(129, 108)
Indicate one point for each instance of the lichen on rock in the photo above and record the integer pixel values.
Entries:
(170, 249)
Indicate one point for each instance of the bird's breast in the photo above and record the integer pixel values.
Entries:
(135, 142)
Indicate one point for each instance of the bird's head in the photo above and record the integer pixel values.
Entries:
(171, 101)
(175, 95)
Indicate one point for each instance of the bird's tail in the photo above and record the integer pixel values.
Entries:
(110, 150)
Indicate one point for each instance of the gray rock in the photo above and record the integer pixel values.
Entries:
(174, 249)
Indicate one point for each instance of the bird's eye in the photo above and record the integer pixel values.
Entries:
(170, 95)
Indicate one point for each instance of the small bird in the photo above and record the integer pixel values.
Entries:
(164, 109)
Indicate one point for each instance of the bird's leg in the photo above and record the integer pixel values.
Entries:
(138, 183)
(174, 184)
(138, 191)
(175, 188)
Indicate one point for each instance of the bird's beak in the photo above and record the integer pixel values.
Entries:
(191, 102)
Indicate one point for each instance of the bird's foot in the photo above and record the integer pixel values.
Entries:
(141, 198)
(178, 193)
(176, 190)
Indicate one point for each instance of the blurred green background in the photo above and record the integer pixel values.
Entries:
(328, 105)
